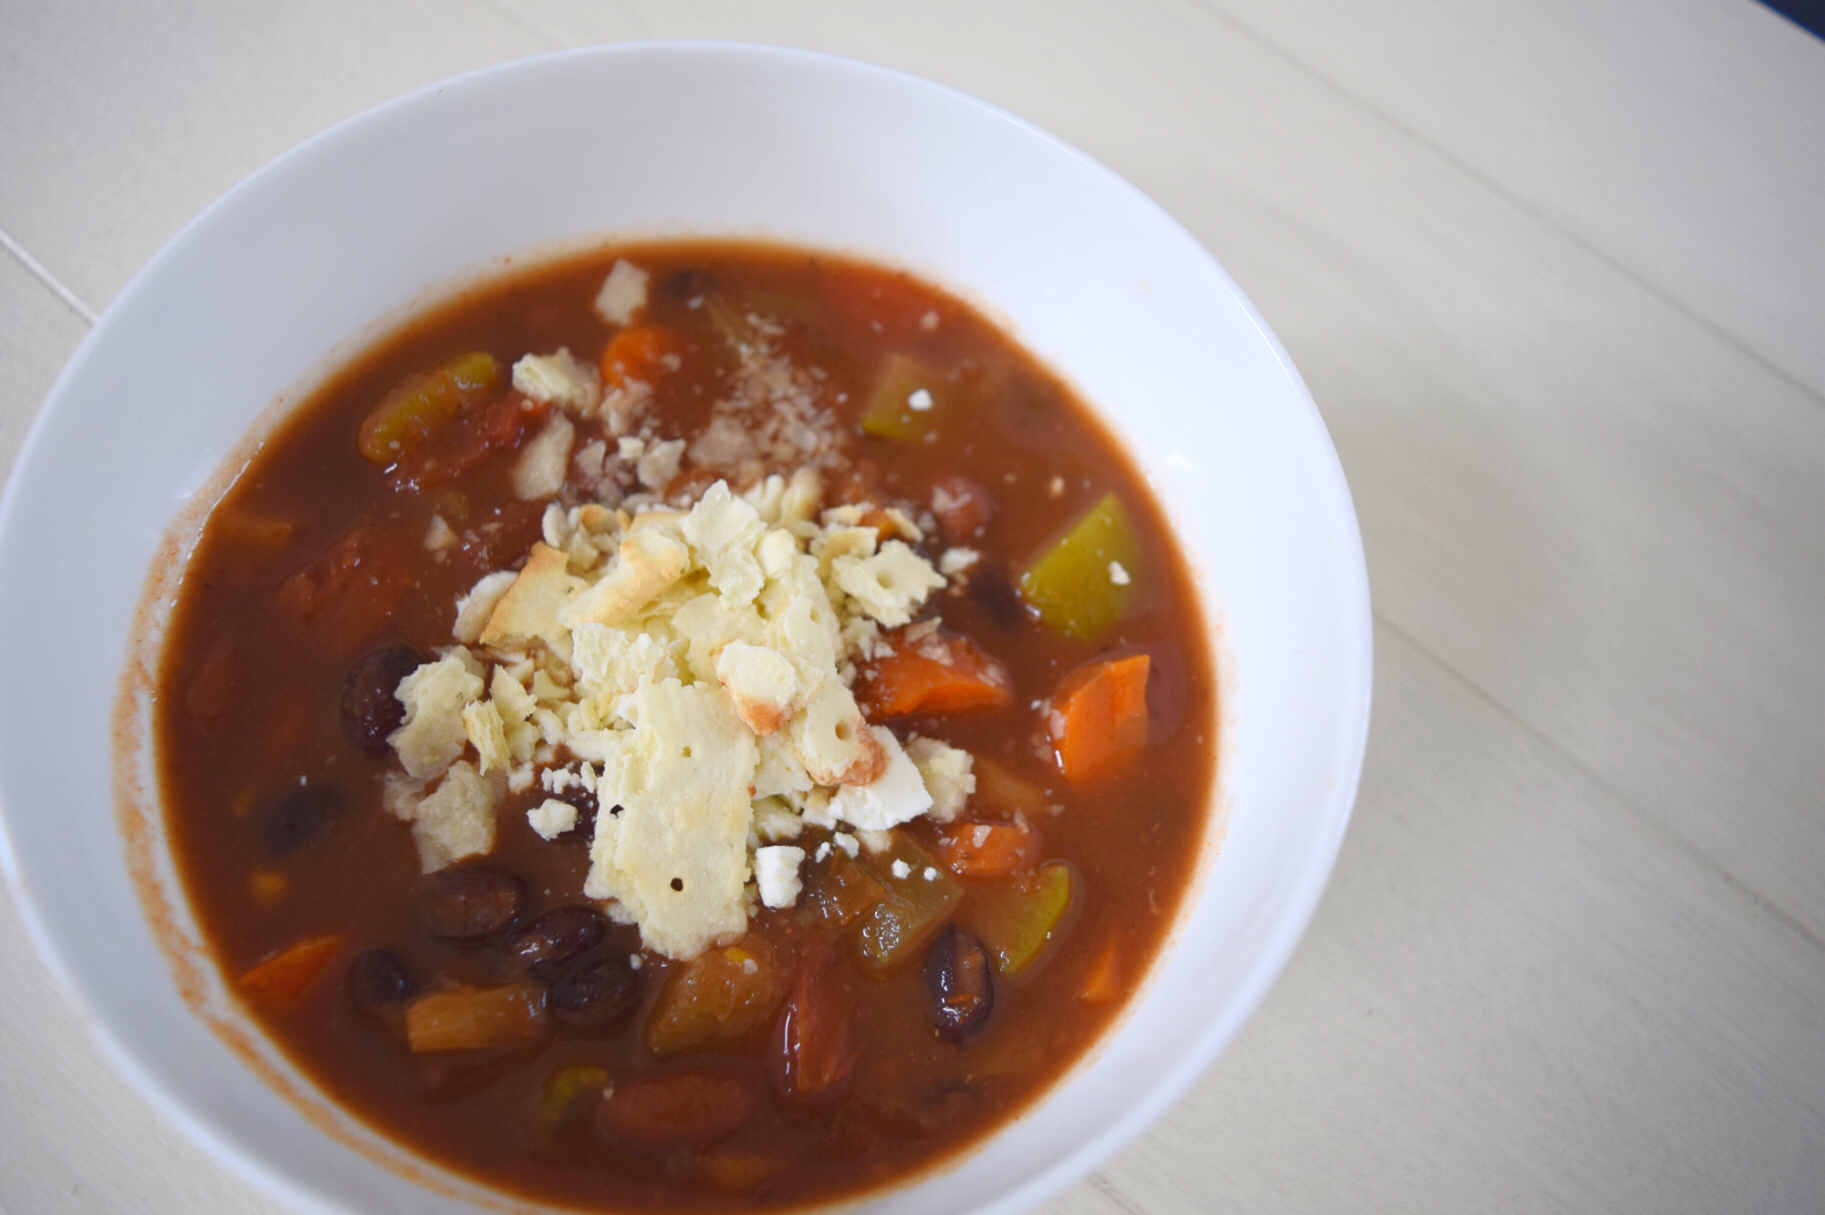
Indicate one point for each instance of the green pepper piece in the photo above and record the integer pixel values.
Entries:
(896, 408)
(914, 908)
(1016, 917)
(568, 1094)
(406, 416)
(1083, 584)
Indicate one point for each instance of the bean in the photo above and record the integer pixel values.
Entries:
(379, 977)
(467, 906)
(599, 994)
(370, 708)
(959, 977)
(300, 815)
(552, 941)
(991, 589)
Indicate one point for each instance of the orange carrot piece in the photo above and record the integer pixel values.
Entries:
(983, 850)
(1098, 720)
(281, 979)
(1102, 982)
(935, 674)
(638, 353)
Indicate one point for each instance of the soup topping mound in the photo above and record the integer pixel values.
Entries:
(669, 775)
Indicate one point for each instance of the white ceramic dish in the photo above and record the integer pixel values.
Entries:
(326, 246)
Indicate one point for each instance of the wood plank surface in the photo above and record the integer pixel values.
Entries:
(1556, 277)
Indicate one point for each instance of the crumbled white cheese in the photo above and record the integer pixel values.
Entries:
(439, 535)
(543, 462)
(946, 772)
(953, 561)
(901, 869)
(892, 798)
(823, 852)
(1118, 575)
(776, 872)
(433, 733)
(920, 400)
(848, 843)
(774, 820)
(623, 293)
(874, 843)
(561, 378)
(457, 819)
(930, 874)
(552, 818)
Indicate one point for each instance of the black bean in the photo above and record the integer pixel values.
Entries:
(991, 589)
(370, 709)
(379, 977)
(300, 815)
(599, 994)
(960, 979)
(686, 285)
(467, 906)
(550, 942)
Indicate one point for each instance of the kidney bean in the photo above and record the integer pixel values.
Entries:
(379, 977)
(300, 815)
(992, 590)
(959, 977)
(699, 1102)
(370, 709)
(467, 906)
(556, 938)
(598, 994)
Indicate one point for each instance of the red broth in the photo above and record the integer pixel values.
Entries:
(791, 1067)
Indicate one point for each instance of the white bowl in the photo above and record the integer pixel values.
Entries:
(325, 247)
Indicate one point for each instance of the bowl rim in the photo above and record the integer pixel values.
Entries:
(1318, 859)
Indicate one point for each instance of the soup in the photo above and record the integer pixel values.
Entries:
(691, 726)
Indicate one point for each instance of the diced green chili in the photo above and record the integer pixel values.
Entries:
(407, 416)
(915, 905)
(1082, 585)
(569, 1093)
(907, 402)
(1015, 917)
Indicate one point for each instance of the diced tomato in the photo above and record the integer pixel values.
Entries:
(982, 850)
(694, 1103)
(347, 592)
(814, 1047)
(503, 426)
(280, 980)
(938, 673)
(963, 508)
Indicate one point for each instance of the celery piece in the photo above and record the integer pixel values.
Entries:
(915, 906)
(1083, 583)
(907, 400)
(569, 1093)
(419, 404)
(1016, 917)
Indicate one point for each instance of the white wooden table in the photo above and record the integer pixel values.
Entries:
(1555, 273)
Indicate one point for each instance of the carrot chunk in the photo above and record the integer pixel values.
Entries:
(1098, 720)
(935, 674)
(281, 979)
(1103, 981)
(639, 353)
(981, 850)
(472, 1018)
